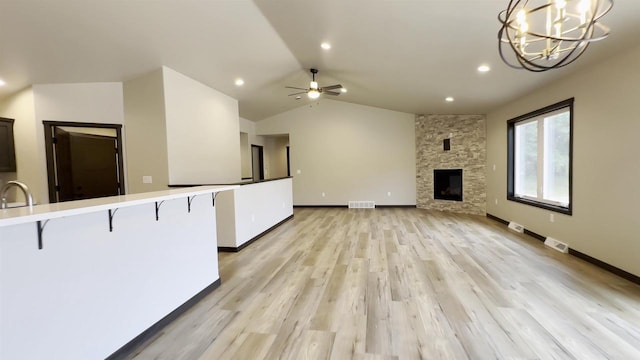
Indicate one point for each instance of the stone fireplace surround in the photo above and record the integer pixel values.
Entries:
(467, 134)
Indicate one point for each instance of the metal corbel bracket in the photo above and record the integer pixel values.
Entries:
(112, 213)
(189, 200)
(40, 226)
(158, 209)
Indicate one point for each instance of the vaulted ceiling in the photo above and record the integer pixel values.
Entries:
(402, 55)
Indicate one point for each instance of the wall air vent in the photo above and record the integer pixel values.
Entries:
(516, 227)
(557, 245)
(362, 204)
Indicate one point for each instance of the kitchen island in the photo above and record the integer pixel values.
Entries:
(82, 279)
(251, 210)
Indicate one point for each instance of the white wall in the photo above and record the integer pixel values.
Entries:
(245, 155)
(349, 152)
(203, 143)
(146, 133)
(88, 102)
(275, 156)
(606, 166)
(248, 135)
(249, 127)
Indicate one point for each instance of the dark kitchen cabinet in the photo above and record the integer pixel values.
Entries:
(7, 148)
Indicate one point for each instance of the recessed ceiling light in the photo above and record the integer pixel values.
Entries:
(325, 45)
(448, 99)
(2, 83)
(484, 68)
(239, 82)
(344, 90)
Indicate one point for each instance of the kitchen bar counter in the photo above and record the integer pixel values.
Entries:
(106, 272)
(243, 182)
(25, 214)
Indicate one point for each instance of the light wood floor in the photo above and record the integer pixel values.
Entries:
(404, 284)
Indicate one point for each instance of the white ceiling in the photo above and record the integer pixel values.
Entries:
(397, 54)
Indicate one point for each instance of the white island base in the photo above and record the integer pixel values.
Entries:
(253, 209)
(89, 291)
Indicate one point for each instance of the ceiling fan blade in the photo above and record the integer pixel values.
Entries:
(331, 87)
(298, 93)
(330, 92)
(292, 87)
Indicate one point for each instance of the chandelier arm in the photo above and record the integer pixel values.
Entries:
(502, 54)
(500, 34)
(566, 60)
(523, 63)
(571, 58)
(542, 37)
(604, 12)
(529, 65)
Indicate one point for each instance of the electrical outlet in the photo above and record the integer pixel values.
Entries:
(388, 193)
(496, 200)
(253, 218)
(552, 218)
(147, 179)
(323, 194)
(494, 167)
(298, 171)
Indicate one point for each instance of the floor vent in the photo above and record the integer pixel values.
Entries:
(516, 227)
(557, 245)
(362, 204)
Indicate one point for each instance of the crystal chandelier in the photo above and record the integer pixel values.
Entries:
(548, 34)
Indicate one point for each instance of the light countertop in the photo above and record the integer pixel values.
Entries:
(25, 214)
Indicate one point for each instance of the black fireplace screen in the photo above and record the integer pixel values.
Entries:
(447, 184)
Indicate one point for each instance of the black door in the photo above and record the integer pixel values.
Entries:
(86, 165)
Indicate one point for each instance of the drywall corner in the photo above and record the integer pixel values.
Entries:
(146, 133)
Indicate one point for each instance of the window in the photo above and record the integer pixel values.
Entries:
(539, 157)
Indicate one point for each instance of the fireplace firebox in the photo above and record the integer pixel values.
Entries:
(447, 184)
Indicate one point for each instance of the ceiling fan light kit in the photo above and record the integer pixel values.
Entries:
(549, 34)
(313, 94)
(314, 90)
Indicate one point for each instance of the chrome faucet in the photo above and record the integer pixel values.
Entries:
(25, 190)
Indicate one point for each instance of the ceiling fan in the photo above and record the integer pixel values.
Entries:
(314, 91)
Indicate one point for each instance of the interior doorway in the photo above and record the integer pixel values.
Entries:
(257, 162)
(84, 160)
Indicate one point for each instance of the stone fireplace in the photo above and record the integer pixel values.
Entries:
(452, 147)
